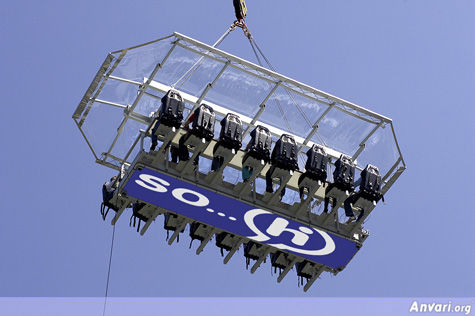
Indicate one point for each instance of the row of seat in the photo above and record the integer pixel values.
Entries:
(283, 158)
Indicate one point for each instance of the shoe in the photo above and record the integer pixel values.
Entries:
(153, 146)
(350, 219)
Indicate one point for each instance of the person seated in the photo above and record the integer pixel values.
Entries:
(230, 137)
(170, 114)
(181, 153)
(369, 190)
(284, 156)
(246, 171)
(156, 122)
(202, 120)
(315, 168)
(108, 190)
(343, 179)
(258, 148)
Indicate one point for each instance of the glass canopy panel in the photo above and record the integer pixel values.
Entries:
(176, 66)
(342, 132)
(380, 150)
(139, 62)
(127, 138)
(119, 92)
(241, 88)
(281, 111)
(201, 51)
(100, 126)
(239, 92)
(195, 81)
(150, 102)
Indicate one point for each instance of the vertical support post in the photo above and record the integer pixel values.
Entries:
(393, 179)
(363, 142)
(211, 84)
(262, 107)
(139, 137)
(315, 128)
(190, 71)
(206, 90)
(390, 171)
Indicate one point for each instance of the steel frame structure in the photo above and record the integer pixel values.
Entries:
(106, 70)
(151, 86)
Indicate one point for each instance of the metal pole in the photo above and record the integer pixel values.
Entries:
(190, 71)
(208, 87)
(315, 128)
(261, 109)
(363, 142)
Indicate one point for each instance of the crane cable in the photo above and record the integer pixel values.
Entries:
(242, 24)
(184, 78)
(108, 272)
(241, 13)
(282, 113)
(253, 43)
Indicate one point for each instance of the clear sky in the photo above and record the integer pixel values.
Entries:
(411, 60)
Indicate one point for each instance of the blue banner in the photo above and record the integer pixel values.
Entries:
(240, 218)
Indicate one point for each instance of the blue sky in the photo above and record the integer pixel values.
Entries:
(413, 61)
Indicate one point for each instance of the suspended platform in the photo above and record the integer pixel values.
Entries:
(115, 118)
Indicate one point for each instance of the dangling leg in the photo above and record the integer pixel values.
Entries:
(360, 216)
(246, 173)
(349, 210)
(154, 137)
(282, 192)
(183, 153)
(269, 187)
(174, 154)
(154, 142)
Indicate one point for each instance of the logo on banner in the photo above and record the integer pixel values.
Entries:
(301, 236)
(280, 233)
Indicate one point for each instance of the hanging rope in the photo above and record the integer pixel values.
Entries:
(109, 272)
